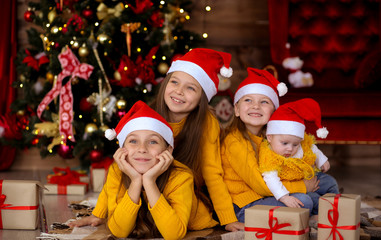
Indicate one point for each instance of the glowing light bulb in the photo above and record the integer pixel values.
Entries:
(208, 8)
(204, 35)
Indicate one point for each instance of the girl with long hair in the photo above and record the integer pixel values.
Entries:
(255, 100)
(182, 100)
(147, 193)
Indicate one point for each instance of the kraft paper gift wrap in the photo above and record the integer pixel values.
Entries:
(276, 223)
(339, 215)
(72, 189)
(19, 203)
(98, 178)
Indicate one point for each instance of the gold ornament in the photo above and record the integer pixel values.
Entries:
(83, 51)
(52, 15)
(163, 67)
(20, 112)
(103, 128)
(90, 128)
(49, 129)
(102, 38)
(22, 78)
(121, 104)
(49, 77)
(117, 76)
(54, 29)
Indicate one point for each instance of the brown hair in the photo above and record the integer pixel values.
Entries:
(188, 141)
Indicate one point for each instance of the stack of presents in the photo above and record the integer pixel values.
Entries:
(339, 214)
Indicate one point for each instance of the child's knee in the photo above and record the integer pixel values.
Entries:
(306, 200)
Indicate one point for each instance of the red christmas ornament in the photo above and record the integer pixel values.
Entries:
(96, 156)
(88, 13)
(85, 106)
(29, 16)
(65, 150)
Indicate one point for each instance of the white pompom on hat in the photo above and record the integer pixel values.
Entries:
(261, 82)
(204, 65)
(289, 118)
(140, 117)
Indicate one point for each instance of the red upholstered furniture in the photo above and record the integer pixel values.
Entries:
(340, 44)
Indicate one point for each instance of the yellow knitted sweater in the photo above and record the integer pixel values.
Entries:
(242, 176)
(212, 171)
(171, 212)
(291, 169)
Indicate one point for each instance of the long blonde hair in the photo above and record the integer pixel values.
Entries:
(188, 141)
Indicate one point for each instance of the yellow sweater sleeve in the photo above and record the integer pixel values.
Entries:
(172, 211)
(109, 191)
(213, 173)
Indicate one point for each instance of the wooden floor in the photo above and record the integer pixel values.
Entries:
(358, 175)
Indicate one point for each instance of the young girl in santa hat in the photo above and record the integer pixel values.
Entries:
(147, 194)
(182, 100)
(255, 100)
(291, 154)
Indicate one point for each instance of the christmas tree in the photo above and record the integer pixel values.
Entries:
(86, 64)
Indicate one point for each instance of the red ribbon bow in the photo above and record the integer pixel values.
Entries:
(9, 206)
(333, 218)
(267, 233)
(35, 61)
(64, 177)
(73, 68)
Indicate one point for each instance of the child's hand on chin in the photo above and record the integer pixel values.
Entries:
(165, 159)
(120, 157)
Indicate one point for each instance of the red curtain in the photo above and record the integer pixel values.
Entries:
(278, 18)
(8, 50)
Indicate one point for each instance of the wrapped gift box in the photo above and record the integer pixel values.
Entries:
(339, 215)
(19, 203)
(280, 222)
(72, 189)
(98, 173)
(98, 178)
(66, 182)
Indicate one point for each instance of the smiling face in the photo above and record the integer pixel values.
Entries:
(143, 146)
(283, 144)
(182, 95)
(255, 111)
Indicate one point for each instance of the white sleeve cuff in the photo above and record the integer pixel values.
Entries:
(320, 157)
(274, 184)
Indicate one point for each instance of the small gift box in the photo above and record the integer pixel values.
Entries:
(66, 182)
(269, 222)
(98, 173)
(19, 203)
(339, 216)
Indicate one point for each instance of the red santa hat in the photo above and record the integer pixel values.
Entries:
(261, 82)
(140, 117)
(289, 118)
(204, 65)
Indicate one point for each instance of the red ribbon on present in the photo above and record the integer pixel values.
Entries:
(9, 206)
(35, 61)
(73, 68)
(64, 177)
(105, 163)
(333, 218)
(267, 233)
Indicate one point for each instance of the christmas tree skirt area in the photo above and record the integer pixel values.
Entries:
(370, 225)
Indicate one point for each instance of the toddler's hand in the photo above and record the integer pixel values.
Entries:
(86, 221)
(291, 201)
(312, 185)
(235, 226)
(325, 167)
